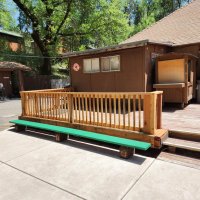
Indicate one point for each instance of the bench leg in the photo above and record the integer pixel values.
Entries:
(171, 149)
(60, 137)
(126, 152)
(19, 128)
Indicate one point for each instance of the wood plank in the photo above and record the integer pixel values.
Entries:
(183, 144)
(86, 134)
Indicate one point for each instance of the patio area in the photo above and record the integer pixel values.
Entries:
(35, 167)
(186, 120)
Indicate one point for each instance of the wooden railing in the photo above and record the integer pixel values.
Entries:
(129, 111)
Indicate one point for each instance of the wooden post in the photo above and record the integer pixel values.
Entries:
(23, 103)
(60, 137)
(150, 113)
(126, 152)
(36, 105)
(19, 128)
(70, 107)
(159, 111)
(21, 80)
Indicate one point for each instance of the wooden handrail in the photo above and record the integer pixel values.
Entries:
(136, 111)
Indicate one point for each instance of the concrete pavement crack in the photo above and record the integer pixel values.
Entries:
(137, 180)
(51, 184)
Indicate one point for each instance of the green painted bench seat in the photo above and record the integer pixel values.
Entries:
(85, 134)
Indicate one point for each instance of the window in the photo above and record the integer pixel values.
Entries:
(111, 63)
(91, 65)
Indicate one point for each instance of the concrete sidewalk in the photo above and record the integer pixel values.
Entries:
(9, 109)
(36, 167)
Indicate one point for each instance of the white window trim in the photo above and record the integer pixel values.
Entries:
(118, 70)
(91, 72)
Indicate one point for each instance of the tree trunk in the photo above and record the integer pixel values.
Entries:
(45, 69)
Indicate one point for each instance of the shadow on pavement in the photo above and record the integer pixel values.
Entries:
(84, 144)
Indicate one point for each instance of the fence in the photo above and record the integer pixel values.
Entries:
(128, 111)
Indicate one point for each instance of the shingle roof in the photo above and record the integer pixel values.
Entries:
(180, 27)
(11, 33)
(13, 66)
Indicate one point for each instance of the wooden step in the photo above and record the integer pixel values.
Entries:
(183, 144)
(185, 135)
(180, 159)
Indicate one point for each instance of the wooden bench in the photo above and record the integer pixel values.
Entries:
(127, 146)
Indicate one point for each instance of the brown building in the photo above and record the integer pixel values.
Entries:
(11, 76)
(130, 66)
(11, 40)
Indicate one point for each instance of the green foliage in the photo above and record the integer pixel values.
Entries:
(82, 24)
(103, 24)
(6, 20)
(94, 23)
(143, 13)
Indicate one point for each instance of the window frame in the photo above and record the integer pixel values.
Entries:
(110, 70)
(91, 72)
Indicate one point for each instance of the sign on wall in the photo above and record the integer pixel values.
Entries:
(76, 67)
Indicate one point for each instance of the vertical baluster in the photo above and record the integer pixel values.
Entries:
(47, 97)
(50, 105)
(58, 100)
(129, 110)
(139, 108)
(45, 100)
(28, 104)
(56, 105)
(110, 110)
(124, 111)
(75, 96)
(41, 108)
(134, 112)
(115, 110)
(119, 109)
(79, 107)
(65, 106)
(53, 106)
(72, 108)
(90, 108)
(86, 108)
(101, 110)
(93, 102)
(106, 110)
(82, 102)
(31, 95)
(97, 109)
(43, 105)
(62, 105)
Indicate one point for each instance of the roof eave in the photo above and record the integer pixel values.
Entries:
(114, 48)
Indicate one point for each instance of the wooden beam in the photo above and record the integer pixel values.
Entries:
(21, 80)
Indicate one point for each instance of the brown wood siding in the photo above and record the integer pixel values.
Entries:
(5, 78)
(192, 49)
(129, 78)
(149, 65)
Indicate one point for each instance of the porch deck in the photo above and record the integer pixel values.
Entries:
(132, 115)
(186, 120)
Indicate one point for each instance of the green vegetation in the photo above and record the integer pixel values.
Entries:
(6, 20)
(80, 24)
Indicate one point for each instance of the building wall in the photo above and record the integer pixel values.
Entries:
(11, 42)
(5, 78)
(130, 78)
(137, 69)
(192, 49)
